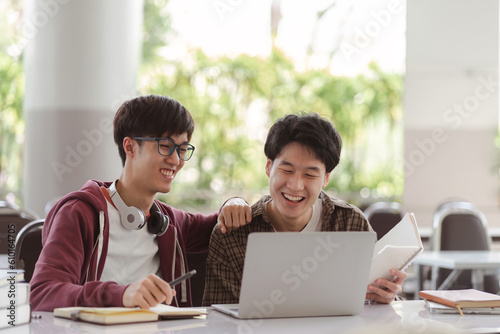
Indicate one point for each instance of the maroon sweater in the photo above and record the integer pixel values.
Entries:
(75, 244)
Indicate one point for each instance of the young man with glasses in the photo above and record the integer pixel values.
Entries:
(112, 243)
(301, 152)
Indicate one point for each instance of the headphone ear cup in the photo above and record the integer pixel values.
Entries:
(132, 218)
(158, 223)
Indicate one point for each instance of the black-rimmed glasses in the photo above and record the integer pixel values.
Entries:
(167, 146)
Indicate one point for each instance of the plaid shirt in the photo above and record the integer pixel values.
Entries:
(227, 251)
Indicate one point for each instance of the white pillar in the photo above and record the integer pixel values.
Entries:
(451, 105)
(81, 62)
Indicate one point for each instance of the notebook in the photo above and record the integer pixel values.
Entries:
(437, 308)
(289, 274)
(398, 248)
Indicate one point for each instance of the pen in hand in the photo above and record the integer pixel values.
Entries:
(182, 278)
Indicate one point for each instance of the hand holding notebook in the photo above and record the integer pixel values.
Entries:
(397, 249)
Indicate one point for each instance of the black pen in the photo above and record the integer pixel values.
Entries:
(182, 278)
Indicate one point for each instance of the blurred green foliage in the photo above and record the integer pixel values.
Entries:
(155, 27)
(234, 101)
(11, 126)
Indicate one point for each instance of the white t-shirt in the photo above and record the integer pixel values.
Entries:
(132, 254)
(314, 223)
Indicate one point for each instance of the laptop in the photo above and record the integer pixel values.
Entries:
(289, 274)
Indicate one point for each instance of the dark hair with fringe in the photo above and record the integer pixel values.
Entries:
(150, 116)
(308, 129)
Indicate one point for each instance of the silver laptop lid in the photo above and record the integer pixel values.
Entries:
(289, 274)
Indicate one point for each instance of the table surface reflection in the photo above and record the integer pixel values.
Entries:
(401, 316)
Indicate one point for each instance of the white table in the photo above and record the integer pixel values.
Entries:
(479, 262)
(399, 317)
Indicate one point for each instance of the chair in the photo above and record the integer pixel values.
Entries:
(197, 261)
(383, 216)
(28, 247)
(459, 225)
(12, 220)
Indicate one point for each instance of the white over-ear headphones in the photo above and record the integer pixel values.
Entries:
(133, 218)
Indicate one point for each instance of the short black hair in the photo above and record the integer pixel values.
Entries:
(308, 129)
(150, 116)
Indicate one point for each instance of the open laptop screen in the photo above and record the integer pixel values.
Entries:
(290, 274)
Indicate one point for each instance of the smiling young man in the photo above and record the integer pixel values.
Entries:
(112, 243)
(301, 152)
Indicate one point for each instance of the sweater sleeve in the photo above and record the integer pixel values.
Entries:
(195, 230)
(60, 276)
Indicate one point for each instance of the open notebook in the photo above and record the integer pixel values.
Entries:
(396, 249)
(124, 315)
(289, 274)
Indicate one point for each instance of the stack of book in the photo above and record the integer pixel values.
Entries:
(15, 308)
(468, 301)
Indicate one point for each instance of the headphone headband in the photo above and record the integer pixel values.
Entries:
(133, 218)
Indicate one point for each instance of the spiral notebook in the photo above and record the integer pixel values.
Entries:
(396, 249)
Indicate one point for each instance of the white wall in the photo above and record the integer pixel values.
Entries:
(451, 105)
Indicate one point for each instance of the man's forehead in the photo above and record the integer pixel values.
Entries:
(182, 137)
(315, 165)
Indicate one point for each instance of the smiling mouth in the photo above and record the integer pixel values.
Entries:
(167, 172)
(295, 199)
